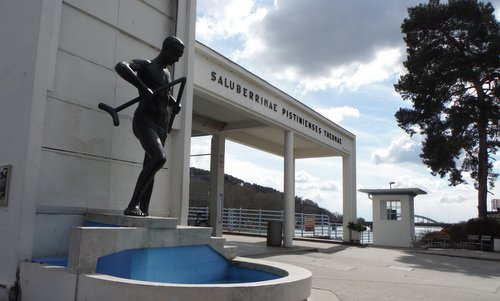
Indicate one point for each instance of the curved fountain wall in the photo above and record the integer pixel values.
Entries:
(138, 259)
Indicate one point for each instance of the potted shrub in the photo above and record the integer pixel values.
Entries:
(355, 230)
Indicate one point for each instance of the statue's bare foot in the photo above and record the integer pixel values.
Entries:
(134, 212)
(144, 211)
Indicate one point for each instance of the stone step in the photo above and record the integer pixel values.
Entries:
(88, 244)
(230, 252)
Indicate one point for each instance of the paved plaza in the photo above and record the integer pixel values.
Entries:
(344, 272)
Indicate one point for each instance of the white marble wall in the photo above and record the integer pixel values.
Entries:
(87, 162)
(22, 102)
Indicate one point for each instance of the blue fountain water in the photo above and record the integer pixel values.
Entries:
(190, 265)
(198, 264)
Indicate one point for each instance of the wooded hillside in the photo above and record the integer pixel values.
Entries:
(241, 194)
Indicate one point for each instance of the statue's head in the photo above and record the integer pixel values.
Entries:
(171, 50)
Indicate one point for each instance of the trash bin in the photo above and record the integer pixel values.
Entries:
(274, 233)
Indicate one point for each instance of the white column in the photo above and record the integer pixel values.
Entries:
(180, 136)
(289, 189)
(349, 191)
(24, 95)
(217, 184)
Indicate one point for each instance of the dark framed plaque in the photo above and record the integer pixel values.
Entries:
(5, 171)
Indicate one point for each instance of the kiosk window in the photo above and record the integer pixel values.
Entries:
(392, 210)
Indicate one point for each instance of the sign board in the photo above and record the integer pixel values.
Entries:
(309, 223)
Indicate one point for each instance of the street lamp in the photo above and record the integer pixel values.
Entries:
(390, 184)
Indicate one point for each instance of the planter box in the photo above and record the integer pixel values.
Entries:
(355, 236)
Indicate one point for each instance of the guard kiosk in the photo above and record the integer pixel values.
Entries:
(393, 216)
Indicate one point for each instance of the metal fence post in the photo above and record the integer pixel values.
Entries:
(322, 224)
(239, 220)
(302, 224)
(260, 221)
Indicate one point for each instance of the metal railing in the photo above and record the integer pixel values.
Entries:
(313, 225)
(198, 213)
(254, 221)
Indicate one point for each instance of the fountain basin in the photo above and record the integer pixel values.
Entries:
(153, 259)
(49, 282)
(295, 286)
(184, 264)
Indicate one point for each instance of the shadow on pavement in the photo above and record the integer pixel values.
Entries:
(456, 264)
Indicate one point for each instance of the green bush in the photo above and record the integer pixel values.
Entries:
(483, 226)
(436, 235)
(476, 226)
(457, 232)
(358, 226)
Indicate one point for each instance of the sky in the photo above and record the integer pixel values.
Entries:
(342, 59)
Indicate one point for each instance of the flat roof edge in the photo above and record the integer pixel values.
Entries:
(394, 191)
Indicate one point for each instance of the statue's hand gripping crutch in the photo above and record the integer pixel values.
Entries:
(114, 111)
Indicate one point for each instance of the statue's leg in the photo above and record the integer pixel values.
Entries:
(153, 161)
(146, 197)
(133, 206)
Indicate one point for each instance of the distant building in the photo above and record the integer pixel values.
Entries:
(393, 216)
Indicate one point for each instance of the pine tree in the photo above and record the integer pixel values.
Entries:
(453, 63)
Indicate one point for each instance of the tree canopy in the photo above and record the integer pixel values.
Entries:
(453, 63)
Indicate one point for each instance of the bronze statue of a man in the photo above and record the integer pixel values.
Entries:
(151, 118)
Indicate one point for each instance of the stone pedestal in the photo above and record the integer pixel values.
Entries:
(108, 233)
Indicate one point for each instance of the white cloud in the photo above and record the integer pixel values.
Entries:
(453, 199)
(253, 173)
(344, 45)
(200, 147)
(431, 185)
(330, 186)
(496, 164)
(304, 177)
(339, 113)
(402, 149)
(226, 19)
(325, 193)
(327, 44)
(386, 64)
(306, 181)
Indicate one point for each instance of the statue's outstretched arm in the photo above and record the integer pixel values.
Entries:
(128, 72)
